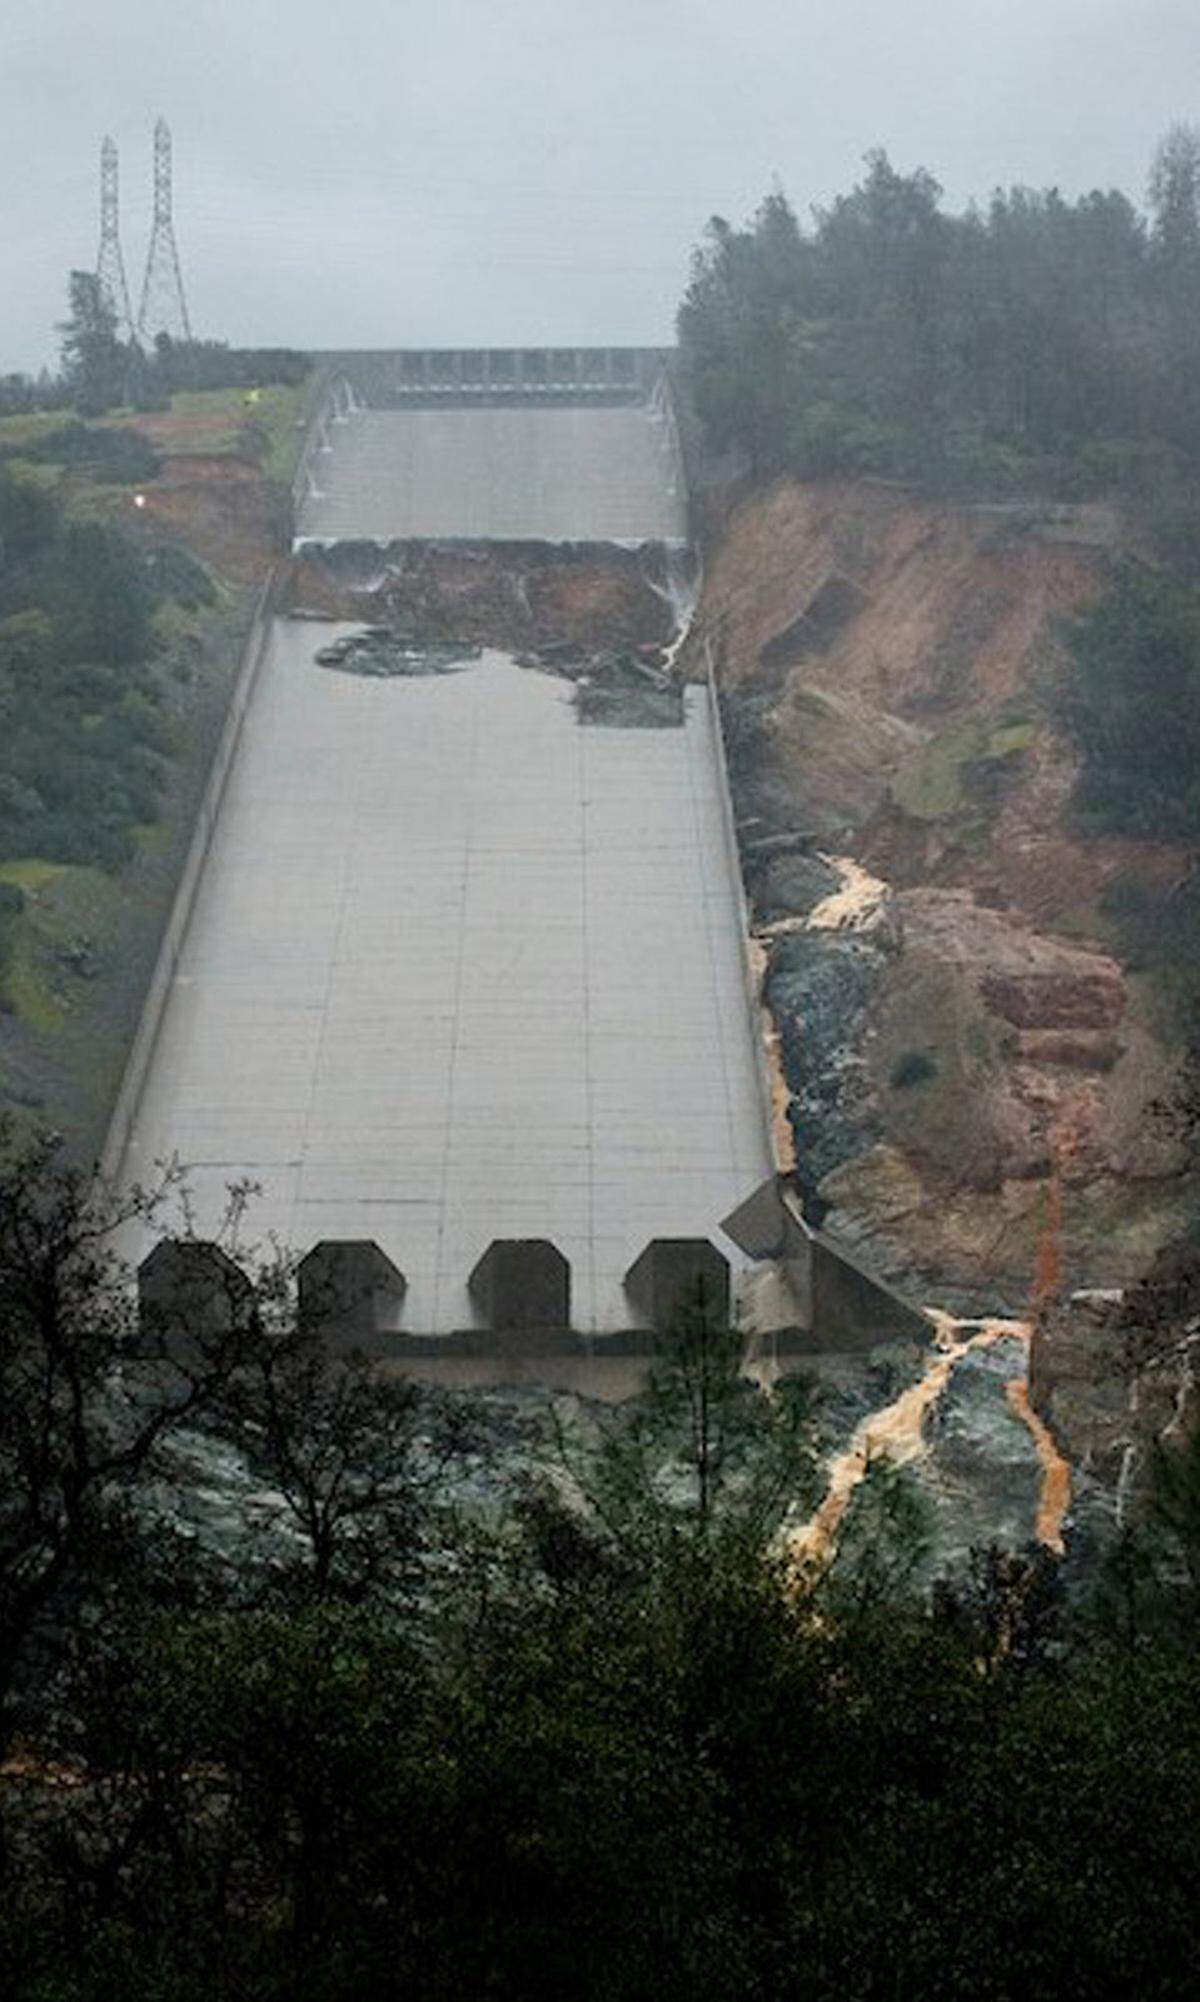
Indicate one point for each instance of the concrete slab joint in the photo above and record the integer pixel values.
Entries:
(522, 1282)
(678, 1275)
(350, 1287)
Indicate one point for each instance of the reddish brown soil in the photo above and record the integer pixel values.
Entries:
(955, 617)
(881, 632)
(221, 508)
(169, 430)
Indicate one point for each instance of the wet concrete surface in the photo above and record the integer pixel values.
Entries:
(528, 473)
(461, 969)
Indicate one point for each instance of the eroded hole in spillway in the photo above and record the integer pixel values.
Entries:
(377, 652)
(621, 689)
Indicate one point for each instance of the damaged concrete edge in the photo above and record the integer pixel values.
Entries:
(331, 401)
(313, 413)
(128, 1100)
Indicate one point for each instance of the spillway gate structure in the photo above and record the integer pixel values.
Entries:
(493, 445)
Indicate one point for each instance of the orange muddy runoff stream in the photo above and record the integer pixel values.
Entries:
(854, 906)
(897, 1433)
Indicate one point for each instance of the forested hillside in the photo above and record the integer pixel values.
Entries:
(1038, 341)
(81, 755)
(131, 546)
(318, 1685)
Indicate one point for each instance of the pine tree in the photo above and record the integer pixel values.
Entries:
(95, 362)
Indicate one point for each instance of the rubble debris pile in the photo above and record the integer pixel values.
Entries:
(621, 689)
(378, 652)
(505, 595)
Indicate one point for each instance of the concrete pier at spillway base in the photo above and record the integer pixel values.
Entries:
(461, 969)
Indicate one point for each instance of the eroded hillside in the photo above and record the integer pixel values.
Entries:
(976, 1014)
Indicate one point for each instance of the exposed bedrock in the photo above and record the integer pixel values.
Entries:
(1114, 1374)
(927, 1120)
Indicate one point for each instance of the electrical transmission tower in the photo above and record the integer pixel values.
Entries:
(110, 265)
(164, 307)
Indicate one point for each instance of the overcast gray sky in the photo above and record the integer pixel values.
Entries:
(383, 172)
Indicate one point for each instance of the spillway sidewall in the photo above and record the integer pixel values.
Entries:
(125, 1110)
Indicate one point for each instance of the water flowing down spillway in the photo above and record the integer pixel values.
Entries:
(526, 473)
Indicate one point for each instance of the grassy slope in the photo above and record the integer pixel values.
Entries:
(208, 421)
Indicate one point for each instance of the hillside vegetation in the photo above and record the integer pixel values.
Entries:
(314, 1686)
(81, 757)
(1040, 342)
(129, 545)
(1133, 704)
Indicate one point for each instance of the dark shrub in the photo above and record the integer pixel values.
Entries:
(913, 1067)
